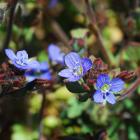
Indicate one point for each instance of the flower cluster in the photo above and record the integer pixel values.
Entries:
(105, 87)
(33, 69)
(94, 76)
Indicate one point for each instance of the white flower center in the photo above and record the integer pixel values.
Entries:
(78, 70)
(105, 88)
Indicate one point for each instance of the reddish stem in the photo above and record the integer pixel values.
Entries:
(130, 90)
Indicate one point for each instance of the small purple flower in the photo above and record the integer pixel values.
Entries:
(42, 72)
(106, 88)
(53, 3)
(21, 60)
(55, 54)
(77, 67)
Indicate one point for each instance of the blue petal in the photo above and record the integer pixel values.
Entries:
(44, 66)
(33, 64)
(87, 64)
(66, 73)
(22, 67)
(30, 78)
(55, 53)
(117, 85)
(45, 76)
(53, 3)
(111, 98)
(74, 78)
(98, 97)
(31, 75)
(53, 50)
(60, 59)
(11, 55)
(72, 60)
(101, 80)
(22, 55)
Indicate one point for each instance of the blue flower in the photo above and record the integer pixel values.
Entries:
(42, 72)
(20, 59)
(53, 3)
(77, 67)
(106, 88)
(55, 54)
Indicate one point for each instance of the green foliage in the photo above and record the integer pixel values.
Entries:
(51, 122)
(23, 133)
(75, 107)
(97, 116)
(132, 134)
(42, 56)
(35, 103)
(132, 53)
(79, 33)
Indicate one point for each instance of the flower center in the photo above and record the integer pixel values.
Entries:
(78, 70)
(105, 88)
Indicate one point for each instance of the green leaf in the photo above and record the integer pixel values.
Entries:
(28, 33)
(75, 87)
(132, 135)
(86, 129)
(20, 132)
(76, 107)
(132, 53)
(42, 56)
(128, 103)
(84, 97)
